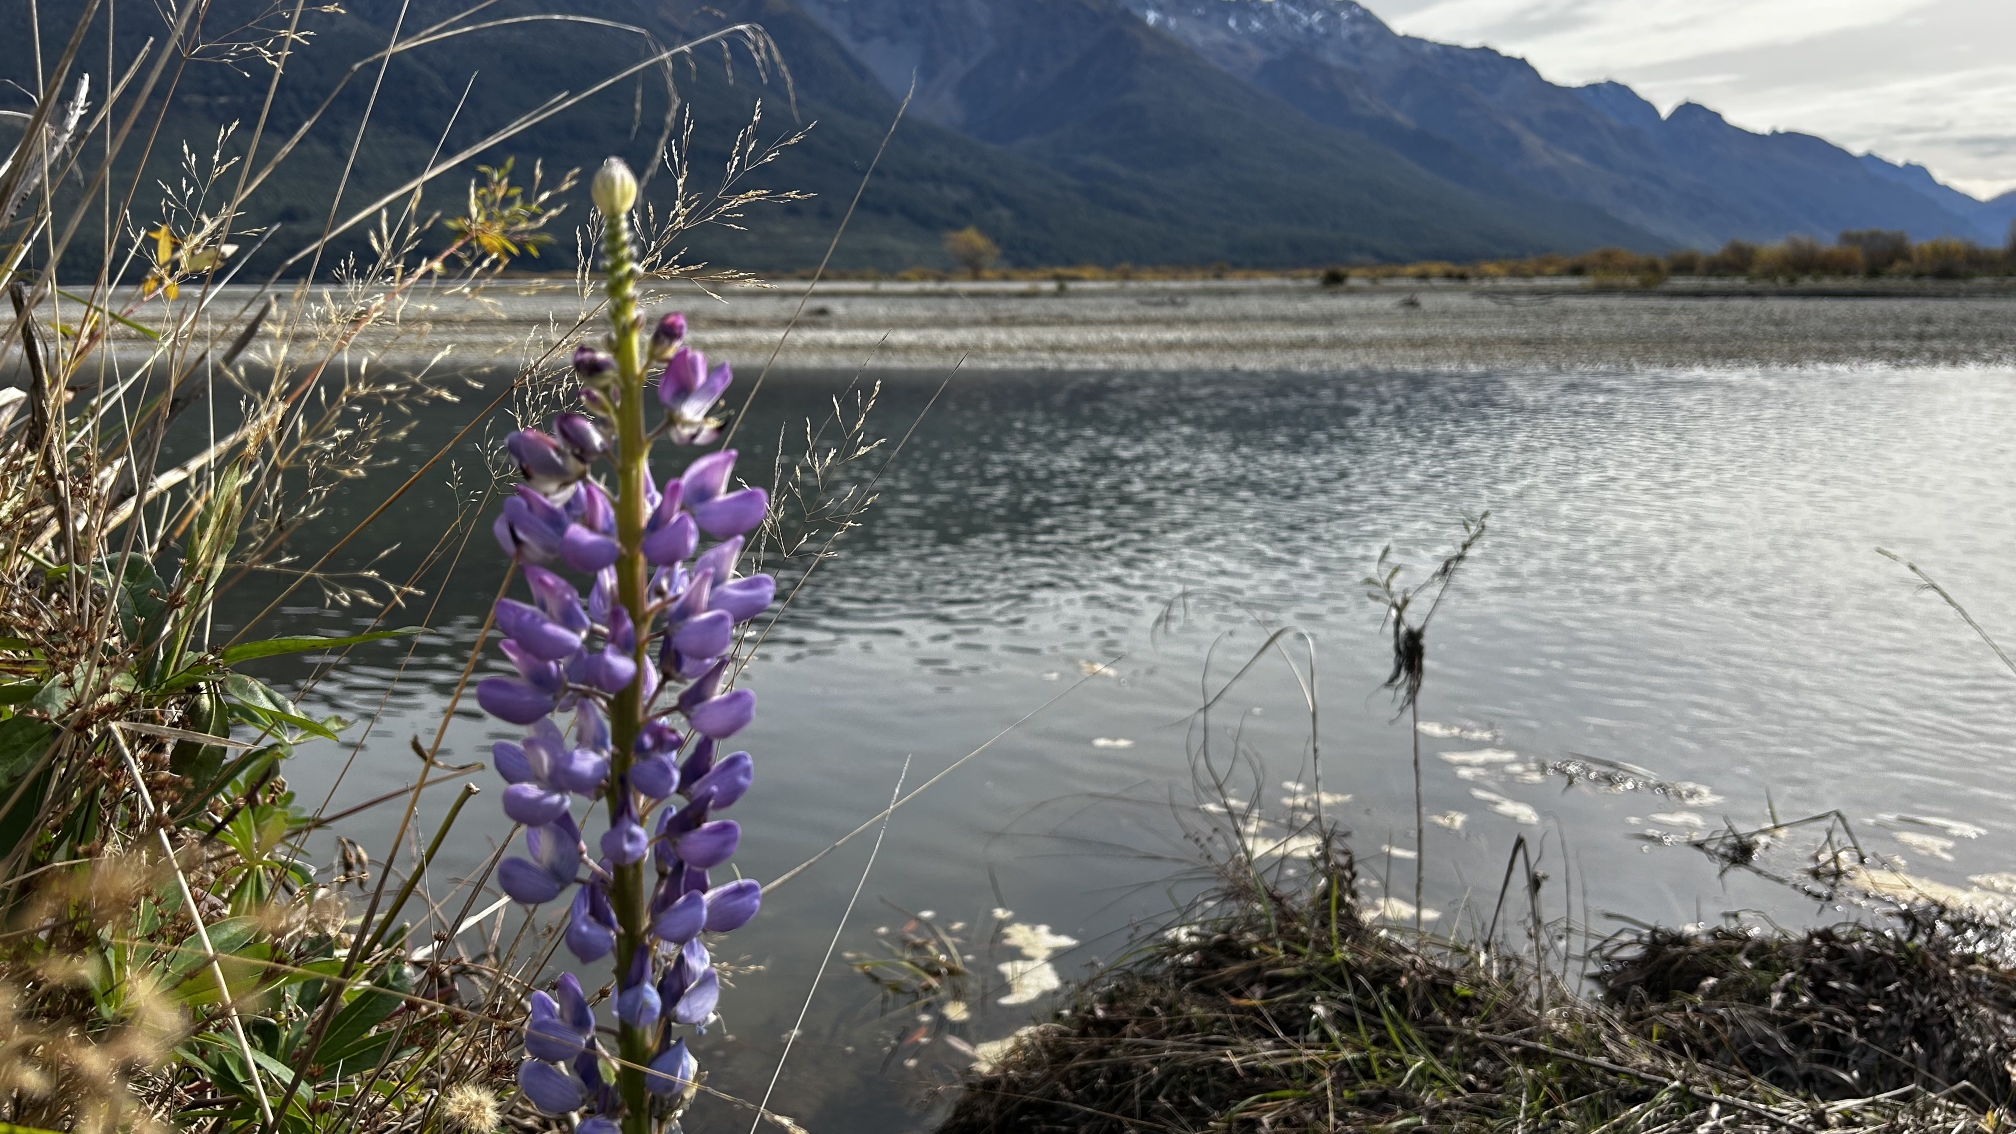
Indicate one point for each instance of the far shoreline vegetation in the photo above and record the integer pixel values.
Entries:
(1856, 254)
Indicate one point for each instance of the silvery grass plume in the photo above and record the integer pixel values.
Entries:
(642, 665)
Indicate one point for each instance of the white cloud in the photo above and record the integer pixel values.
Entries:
(1914, 80)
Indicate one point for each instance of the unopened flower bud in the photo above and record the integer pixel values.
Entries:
(591, 364)
(614, 188)
(666, 339)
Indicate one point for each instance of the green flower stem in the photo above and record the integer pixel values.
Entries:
(632, 579)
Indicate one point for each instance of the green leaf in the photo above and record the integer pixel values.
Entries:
(226, 937)
(122, 320)
(251, 691)
(54, 697)
(349, 1032)
(22, 742)
(270, 720)
(273, 647)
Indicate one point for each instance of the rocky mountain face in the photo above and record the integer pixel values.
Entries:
(1689, 177)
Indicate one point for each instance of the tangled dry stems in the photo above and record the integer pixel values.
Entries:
(1281, 1009)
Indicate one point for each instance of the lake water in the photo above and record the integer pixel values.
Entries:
(1680, 574)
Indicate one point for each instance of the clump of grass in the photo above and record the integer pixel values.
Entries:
(1836, 1012)
(1273, 1007)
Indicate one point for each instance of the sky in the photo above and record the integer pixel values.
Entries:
(1930, 81)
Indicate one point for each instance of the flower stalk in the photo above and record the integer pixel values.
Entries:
(641, 664)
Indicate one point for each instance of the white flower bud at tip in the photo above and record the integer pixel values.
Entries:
(614, 188)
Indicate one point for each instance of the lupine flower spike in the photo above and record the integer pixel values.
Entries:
(640, 663)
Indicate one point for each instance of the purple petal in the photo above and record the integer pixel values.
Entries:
(626, 842)
(590, 507)
(507, 537)
(719, 562)
(696, 1006)
(512, 762)
(683, 374)
(730, 907)
(612, 671)
(586, 937)
(666, 508)
(744, 599)
(598, 1125)
(556, 847)
(726, 783)
(734, 513)
(707, 477)
(533, 805)
(526, 882)
(550, 1089)
(581, 436)
(668, 334)
(509, 699)
(697, 765)
(574, 1009)
(683, 920)
(710, 845)
(580, 771)
(707, 636)
(542, 637)
(656, 776)
(592, 363)
(587, 552)
(715, 385)
(546, 1037)
(556, 597)
(672, 1071)
(724, 716)
(591, 728)
(639, 1006)
(541, 457)
(673, 543)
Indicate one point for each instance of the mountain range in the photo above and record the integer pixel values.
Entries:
(1247, 132)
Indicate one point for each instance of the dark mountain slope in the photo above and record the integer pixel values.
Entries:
(1086, 89)
(1690, 179)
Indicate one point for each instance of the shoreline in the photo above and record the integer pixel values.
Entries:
(1281, 324)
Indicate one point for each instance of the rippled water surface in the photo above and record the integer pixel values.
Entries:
(1681, 573)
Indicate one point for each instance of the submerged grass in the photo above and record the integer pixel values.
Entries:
(1276, 1005)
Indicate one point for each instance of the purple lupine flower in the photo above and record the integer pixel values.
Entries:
(551, 1089)
(733, 514)
(591, 924)
(513, 700)
(556, 855)
(547, 463)
(667, 336)
(710, 844)
(531, 527)
(683, 920)
(723, 784)
(582, 656)
(688, 391)
(626, 841)
(673, 1070)
(744, 599)
(696, 1005)
(724, 716)
(673, 543)
(539, 635)
(559, 1030)
(593, 365)
(581, 436)
(732, 906)
(638, 1002)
